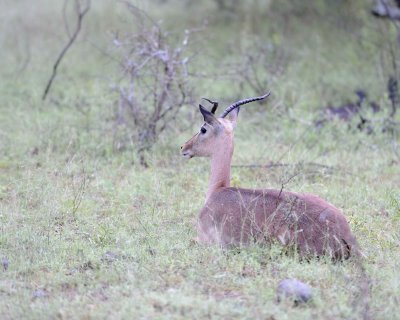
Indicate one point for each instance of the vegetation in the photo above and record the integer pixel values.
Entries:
(86, 231)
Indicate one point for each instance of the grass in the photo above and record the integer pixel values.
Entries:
(88, 233)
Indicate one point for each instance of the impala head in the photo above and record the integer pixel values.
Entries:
(217, 132)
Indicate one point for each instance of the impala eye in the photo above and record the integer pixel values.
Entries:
(203, 130)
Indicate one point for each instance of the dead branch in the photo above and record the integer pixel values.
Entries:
(287, 165)
(154, 83)
(80, 12)
(279, 164)
(284, 183)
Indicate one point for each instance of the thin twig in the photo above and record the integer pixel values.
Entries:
(331, 169)
(279, 164)
(284, 183)
(72, 39)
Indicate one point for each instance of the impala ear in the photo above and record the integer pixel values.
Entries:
(208, 116)
(233, 115)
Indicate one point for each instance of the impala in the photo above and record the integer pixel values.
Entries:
(236, 216)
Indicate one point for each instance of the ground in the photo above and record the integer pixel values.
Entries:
(87, 232)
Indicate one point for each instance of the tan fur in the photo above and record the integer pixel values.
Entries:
(234, 216)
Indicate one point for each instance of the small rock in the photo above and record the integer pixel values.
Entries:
(5, 263)
(40, 293)
(89, 265)
(295, 290)
(35, 151)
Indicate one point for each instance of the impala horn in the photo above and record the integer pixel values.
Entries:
(242, 102)
(214, 103)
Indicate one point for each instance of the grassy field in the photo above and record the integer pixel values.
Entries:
(89, 233)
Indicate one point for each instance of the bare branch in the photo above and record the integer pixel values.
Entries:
(80, 14)
(280, 165)
(154, 84)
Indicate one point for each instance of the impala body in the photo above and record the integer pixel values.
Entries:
(236, 216)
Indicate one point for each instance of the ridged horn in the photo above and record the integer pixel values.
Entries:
(242, 102)
(214, 103)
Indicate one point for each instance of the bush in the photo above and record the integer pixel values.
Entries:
(154, 84)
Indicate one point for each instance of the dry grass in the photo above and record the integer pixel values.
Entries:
(88, 233)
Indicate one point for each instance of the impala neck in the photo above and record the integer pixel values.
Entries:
(220, 176)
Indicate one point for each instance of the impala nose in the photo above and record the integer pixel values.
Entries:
(186, 153)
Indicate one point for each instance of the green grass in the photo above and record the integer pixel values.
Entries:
(106, 238)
